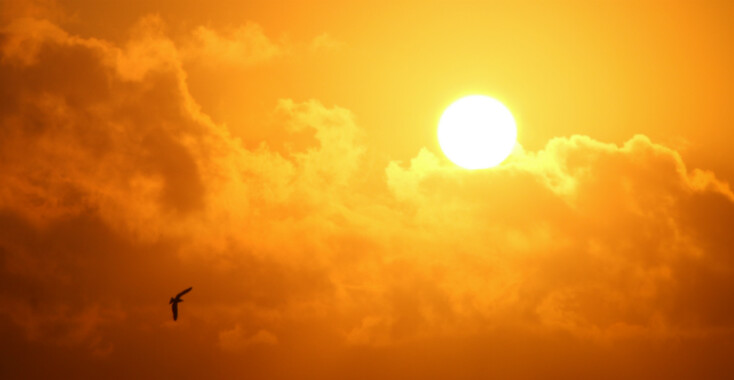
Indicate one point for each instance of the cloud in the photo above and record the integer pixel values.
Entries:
(243, 46)
(119, 190)
(602, 237)
(325, 41)
(236, 339)
(61, 325)
(39, 9)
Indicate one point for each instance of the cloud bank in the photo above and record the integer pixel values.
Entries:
(118, 190)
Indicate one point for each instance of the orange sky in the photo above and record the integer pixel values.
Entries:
(281, 158)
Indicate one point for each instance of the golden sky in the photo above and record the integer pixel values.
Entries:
(281, 158)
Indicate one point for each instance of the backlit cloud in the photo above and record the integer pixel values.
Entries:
(117, 189)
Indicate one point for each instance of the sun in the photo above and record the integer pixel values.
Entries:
(477, 132)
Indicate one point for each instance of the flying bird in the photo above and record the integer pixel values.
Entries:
(174, 302)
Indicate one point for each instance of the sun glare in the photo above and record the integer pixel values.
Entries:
(477, 132)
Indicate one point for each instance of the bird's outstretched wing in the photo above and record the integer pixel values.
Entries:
(184, 292)
(175, 310)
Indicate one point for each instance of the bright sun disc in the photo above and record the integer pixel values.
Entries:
(477, 132)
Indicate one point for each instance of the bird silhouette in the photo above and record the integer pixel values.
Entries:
(174, 302)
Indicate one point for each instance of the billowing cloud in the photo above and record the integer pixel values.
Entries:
(117, 191)
(604, 238)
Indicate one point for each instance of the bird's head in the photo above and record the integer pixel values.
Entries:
(171, 301)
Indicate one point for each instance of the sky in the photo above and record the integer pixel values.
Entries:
(281, 158)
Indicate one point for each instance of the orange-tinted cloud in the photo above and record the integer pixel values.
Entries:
(118, 191)
(244, 46)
